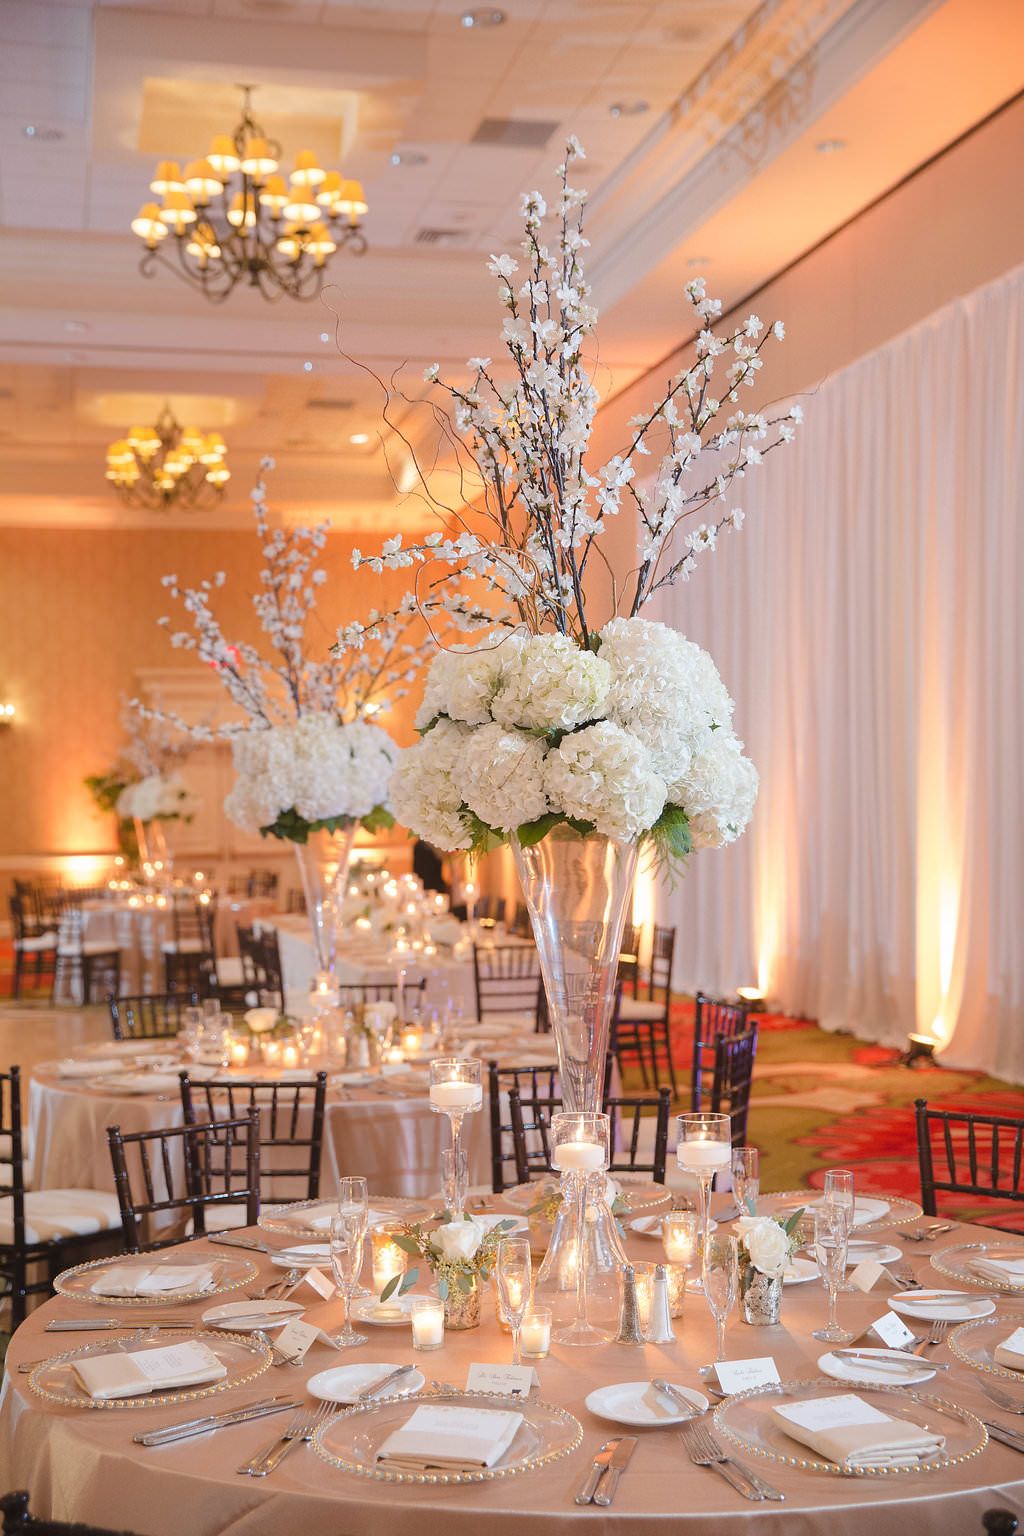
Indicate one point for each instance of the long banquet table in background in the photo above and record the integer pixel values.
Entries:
(83, 1465)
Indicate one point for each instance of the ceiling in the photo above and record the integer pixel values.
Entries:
(723, 170)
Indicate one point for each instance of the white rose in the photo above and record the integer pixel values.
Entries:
(457, 1240)
(259, 1020)
(766, 1243)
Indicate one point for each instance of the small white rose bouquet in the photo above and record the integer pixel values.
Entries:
(766, 1248)
(460, 1252)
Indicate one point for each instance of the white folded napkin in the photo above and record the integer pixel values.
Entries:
(71, 1067)
(318, 1218)
(866, 1209)
(451, 1438)
(853, 1433)
(124, 1374)
(1003, 1271)
(1011, 1351)
(146, 1082)
(153, 1280)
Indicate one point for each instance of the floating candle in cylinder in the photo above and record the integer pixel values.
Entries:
(388, 1259)
(394, 1056)
(457, 1096)
(290, 1056)
(427, 1323)
(704, 1154)
(535, 1340)
(238, 1051)
(578, 1157)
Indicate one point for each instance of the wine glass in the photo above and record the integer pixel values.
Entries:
(704, 1149)
(831, 1236)
(580, 1152)
(746, 1179)
(354, 1201)
(721, 1274)
(513, 1273)
(839, 1192)
(348, 1229)
(454, 1178)
(455, 1091)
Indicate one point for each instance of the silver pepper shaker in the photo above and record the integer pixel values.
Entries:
(659, 1325)
(630, 1330)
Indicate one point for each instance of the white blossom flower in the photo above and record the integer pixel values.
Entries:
(458, 1240)
(766, 1242)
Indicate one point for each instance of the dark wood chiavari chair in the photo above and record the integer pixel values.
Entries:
(252, 979)
(54, 1227)
(733, 1079)
(520, 924)
(712, 1019)
(629, 958)
(185, 1171)
(642, 1025)
(18, 1521)
(257, 883)
(531, 1133)
(355, 993)
(150, 1015)
(291, 1126)
(295, 902)
(532, 1083)
(189, 958)
(507, 984)
(83, 964)
(961, 1153)
(35, 941)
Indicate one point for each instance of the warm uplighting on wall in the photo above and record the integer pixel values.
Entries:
(84, 868)
(7, 714)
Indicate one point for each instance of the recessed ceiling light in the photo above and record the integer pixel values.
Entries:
(629, 108)
(408, 157)
(359, 438)
(44, 135)
(484, 18)
(830, 146)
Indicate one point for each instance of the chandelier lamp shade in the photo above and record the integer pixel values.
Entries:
(167, 464)
(233, 217)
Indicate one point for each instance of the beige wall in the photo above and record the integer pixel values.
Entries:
(78, 613)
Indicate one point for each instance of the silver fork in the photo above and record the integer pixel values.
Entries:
(1004, 1399)
(277, 1356)
(702, 1457)
(936, 1335)
(302, 1427)
(710, 1444)
(905, 1277)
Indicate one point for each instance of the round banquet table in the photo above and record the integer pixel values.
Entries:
(83, 1465)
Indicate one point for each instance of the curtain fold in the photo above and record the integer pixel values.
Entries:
(867, 620)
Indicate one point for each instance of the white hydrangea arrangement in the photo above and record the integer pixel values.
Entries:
(157, 798)
(306, 756)
(623, 728)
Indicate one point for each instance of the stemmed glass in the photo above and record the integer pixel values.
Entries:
(348, 1229)
(454, 1178)
(704, 1149)
(513, 1273)
(831, 1236)
(839, 1192)
(455, 1091)
(746, 1179)
(721, 1272)
(580, 1151)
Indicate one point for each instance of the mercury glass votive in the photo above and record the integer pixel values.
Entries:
(388, 1259)
(680, 1238)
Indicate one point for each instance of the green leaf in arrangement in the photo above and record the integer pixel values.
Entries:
(391, 1287)
(442, 1288)
(484, 838)
(409, 1279)
(794, 1221)
(407, 1244)
(379, 820)
(465, 1283)
(531, 832)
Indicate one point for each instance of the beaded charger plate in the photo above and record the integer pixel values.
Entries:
(900, 1210)
(638, 1194)
(244, 1357)
(746, 1420)
(79, 1283)
(352, 1441)
(975, 1344)
(288, 1219)
(959, 1263)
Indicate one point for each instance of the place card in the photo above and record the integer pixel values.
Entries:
(320, 1283)
(505, 1380)
(892, 1331)
(832, 1412)
(738, 1375)
(296, 1337)
(867, 1273)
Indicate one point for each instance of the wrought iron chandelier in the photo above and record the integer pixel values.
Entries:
(233, 219)
(167, 463)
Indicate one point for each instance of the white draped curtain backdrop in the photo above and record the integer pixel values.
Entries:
(867, 620)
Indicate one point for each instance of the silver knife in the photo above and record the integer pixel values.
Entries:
(252, 1244)
(598, 1465)
(914, 1362)
(382, 1382)
(107, 1324)
(1005, 1436)
(211, 1421)
(675, 1396)
(620, 1459)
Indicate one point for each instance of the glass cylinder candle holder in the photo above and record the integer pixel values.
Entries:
(456, 1091)
(580, 1152)
(704, 1149)
(238, 1050)
(680, 1238)
(427, 1322)
(272, 1052)
(388, 1259)
(535, 1341)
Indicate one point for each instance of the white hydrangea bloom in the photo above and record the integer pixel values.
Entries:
(552, 685)
(499, 775)
(601, 774)
(462, 682)
(318, 768)
(424, 796)
(155, 797)
(665, 690)
(717, 791)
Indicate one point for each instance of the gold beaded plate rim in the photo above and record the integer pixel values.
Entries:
(568, 1421)
(901, 1209)
(247, 1342)
(244, 1271)
(958, 1347)
(967, 1276)
(830, 1385)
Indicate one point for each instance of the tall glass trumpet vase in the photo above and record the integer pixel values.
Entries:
(456, 1091)
(323, 861)
(704, 1149)
(580, 1153)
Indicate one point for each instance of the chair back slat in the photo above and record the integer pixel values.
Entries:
(354, 993)
(712, 1019)
(733, 1079)
(150, 1015)
(506, 979)
(960, 1152)
(291, 1125)
(531, 1133)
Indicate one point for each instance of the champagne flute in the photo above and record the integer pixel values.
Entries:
(455, 1091)
(347, 1232)
(454, 1178)
(721, 1273)
(704, 1149)
(839, 1192)
(831, 1236)
(354, 1201)
(513, 1273)
(746, 1179)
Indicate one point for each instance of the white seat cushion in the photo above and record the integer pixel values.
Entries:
(229, 971)
(34, 945)
(53, 1213)
(223, 1218)
(181, 947)
(640, 1008)
(522, 1020)
(90, 947)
